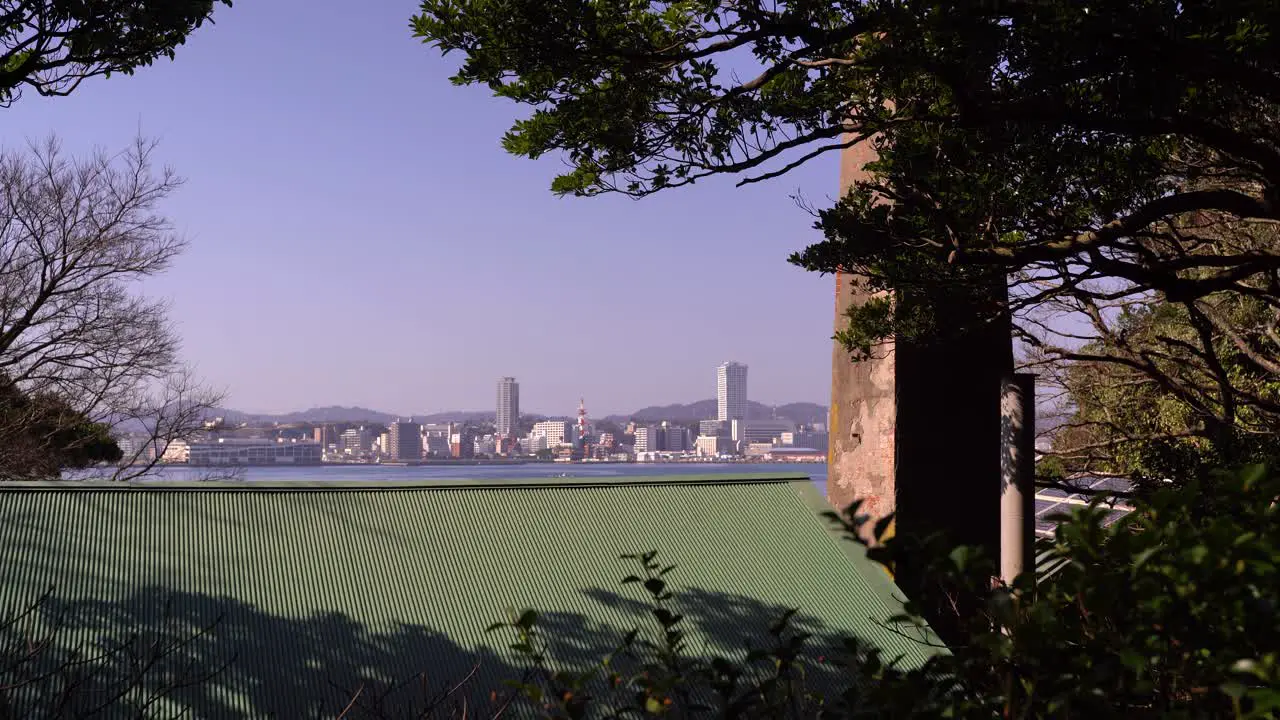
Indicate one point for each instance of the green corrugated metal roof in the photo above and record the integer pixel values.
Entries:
(323, 587)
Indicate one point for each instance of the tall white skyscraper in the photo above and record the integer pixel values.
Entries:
(508, 407)
(731, 391)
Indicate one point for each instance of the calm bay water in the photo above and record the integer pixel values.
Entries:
(389, 473)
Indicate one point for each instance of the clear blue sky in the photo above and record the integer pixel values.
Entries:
(358, 237)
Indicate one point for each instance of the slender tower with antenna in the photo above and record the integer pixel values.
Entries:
(582, 425)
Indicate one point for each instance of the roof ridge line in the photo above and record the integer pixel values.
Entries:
(394, 485)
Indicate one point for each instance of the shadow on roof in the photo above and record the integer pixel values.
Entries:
(162, 652)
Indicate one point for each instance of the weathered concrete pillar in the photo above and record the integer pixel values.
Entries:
(1017, 475)
(915, 430)
(860, 455)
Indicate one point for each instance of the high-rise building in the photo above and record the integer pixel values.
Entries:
(404, 440)
(508, 407)
(731, 391)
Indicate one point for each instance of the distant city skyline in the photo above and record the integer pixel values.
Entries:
(569, 409)
(377, 248)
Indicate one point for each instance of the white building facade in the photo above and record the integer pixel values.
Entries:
(731, 391)
(557, 432)
(646, 438)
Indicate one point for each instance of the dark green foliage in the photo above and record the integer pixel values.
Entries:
(1125, 422)
(44, 435)
(1173, 613)
(52, 45)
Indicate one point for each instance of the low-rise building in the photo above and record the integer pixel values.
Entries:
(713, 428)
(485, 445)
(752, 431)
(461, 442)
(175, 451)
(815, 440)
(646, 438)
(674, 438)
(796, 454)
(355, 441)
(714, 446)
(133, 449)
(533, 444)
(325, 435)
(663, 437)
(435, 439)
(254, 452)
(557, 432)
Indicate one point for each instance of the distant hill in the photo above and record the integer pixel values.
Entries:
(700, 410)
(805, 413)
(801, 412)
(457, 416)
(331, 413)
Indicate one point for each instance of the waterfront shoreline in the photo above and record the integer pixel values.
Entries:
(493, 462)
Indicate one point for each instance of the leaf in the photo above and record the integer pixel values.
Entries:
(782, 622)
(882, 526)
(1249, 666)
(1198, 554)
(527, 619)
(1143, 557)
(1233, 689)
(666, 617)
(1251, 475)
